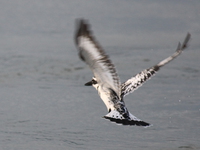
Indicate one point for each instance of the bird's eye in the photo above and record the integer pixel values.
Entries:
(94, 81)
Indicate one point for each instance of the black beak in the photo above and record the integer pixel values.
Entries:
(89, 83)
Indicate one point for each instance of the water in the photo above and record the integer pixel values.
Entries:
(43, 103)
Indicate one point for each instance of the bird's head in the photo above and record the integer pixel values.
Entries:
(93, 83)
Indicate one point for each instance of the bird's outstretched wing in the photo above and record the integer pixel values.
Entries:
(94, 56)
(133, 83)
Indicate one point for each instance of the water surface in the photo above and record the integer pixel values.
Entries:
(43, 103)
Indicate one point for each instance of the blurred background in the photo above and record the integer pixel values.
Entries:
(43, 101)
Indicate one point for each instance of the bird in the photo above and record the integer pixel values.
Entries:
(106, 80)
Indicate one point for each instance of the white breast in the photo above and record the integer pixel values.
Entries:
(105, 96)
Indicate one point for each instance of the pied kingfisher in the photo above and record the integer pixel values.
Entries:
(106, 80)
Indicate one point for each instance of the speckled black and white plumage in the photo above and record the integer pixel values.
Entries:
(106, 80)
(133, 83)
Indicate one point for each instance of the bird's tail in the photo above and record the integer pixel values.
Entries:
(116, 117)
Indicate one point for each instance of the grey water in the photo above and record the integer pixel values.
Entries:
(43, 101)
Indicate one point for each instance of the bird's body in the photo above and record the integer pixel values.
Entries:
(106, 80)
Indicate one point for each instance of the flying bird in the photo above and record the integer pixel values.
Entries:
(106, 80)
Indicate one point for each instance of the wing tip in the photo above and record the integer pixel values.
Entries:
(185, 43)
(82, 27)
